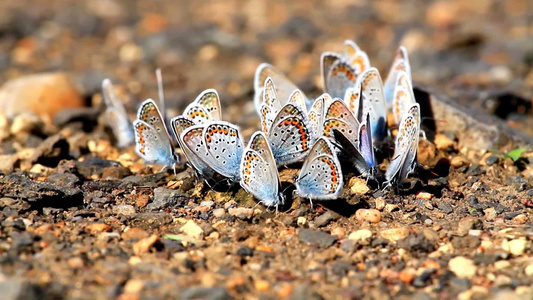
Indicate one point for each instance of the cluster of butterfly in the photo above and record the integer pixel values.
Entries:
(347, 122)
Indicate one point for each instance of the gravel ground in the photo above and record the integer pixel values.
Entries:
(82, 219)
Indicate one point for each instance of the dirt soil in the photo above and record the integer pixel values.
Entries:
(81, 219)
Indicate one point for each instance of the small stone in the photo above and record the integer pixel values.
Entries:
(301, 221)
(26, 122)
(520, 219)
(462, 267)
(75, 262)
(391, 207)
(241, 212)
(134, 234)
(144, 245)
(358, 186)
(529, 270)
(338, 231)
(407, 275)
(191, 229)
(370, 215)
(424, 196)
(8, 163)
(460, 284)
(316, 237)
(164, 198)
(490, 213)
(361, 235)
(502, 264)
(44, 94)
(218, 212)
(325, 218)
(516, 247)
(262, 285)
(491, 160)
(124, 209)
(467, 223)
(394, 234)
(133, 286)
(442, 142)
(245, 251)
(502, 280)
(380, 203)
(98, 227)
(458, 161)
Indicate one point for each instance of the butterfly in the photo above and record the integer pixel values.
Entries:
(400, 63)
(337, 74)
(152, 141)
(289, 135)
(372, 103)
(217, 145)
(205, 108)
(403, 161)
(339, 117)
(259, 174)
(116, 116)
(283, 86)
(356, 57)
(317, 115)
(179, 124)
(320, 177)
(360, 150)
(403, 96)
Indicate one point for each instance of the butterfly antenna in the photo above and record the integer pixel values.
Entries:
(311, 201)
(161, 94)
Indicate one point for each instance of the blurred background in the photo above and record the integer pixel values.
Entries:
(480, 52)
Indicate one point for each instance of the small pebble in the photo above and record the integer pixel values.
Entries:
(394, 234)
(360, 235)
(218, 212)
(491, 160)
(301, 221)
(193, 230)
(370, 215)
(462, 267)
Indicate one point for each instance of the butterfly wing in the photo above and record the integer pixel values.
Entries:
(350, 148)
(400, 63)
(405, 148)
(210, 101)
(259, 175)
(297, 98)
(403, 96)
(339, 116)
(284, 87)
(366, 147)
(270, 95)
(320, 177)
(337, 74)
(197, 113)
(316, 115)
(373, 103)
(289, 135)
(356, 57)
(179, 125)
(149, 113)
(149, 145)
(224, 148)
(116, 116)
(352, 98)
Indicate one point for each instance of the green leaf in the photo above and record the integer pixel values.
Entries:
(472, 211)
(516, 153)
(175, 237)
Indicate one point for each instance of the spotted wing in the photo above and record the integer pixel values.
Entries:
(149, 145)
(337, 74)
(284, 87)
(352, 98)
(405, 146)
(179, 125)
(210, 101)
(149, 113)
(224, 146)
(289, 135)
(403, 96)
(400, 63)
(316, 115)
(297, 98)
(259, 174)
(320, 177)
(197, 113)
(366, 147)
(339, 116)
(270, 95)
(351, 150)
(356, 57)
